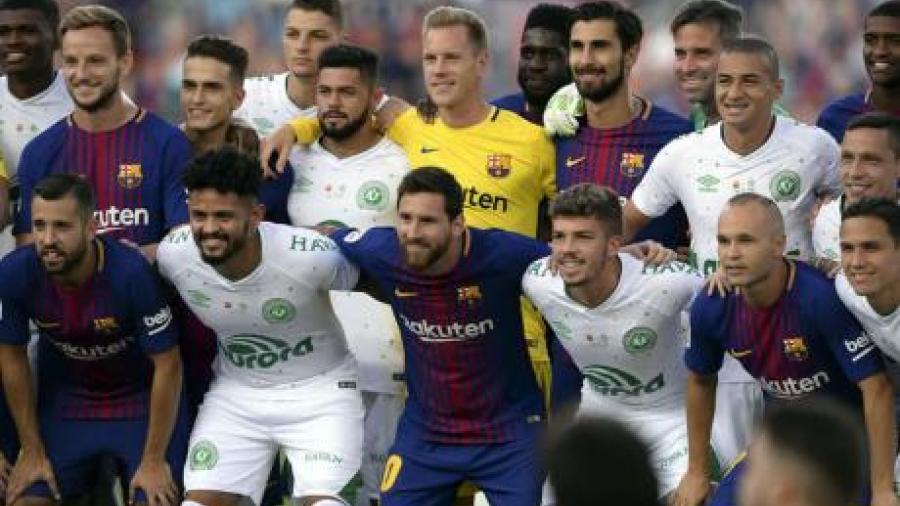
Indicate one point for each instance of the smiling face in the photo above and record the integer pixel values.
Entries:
(209, 93)
(746, 89)
(27, 41)
(881, 50)
(869, 255)
(452, 66)
(598, 62)
(869, 166)
(92, 68)
(697, 48)
(581, 247)
(222, 223)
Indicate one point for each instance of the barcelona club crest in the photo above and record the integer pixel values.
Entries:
(130, 175)
(795, 349)
(632, 164)
(499, 164)
(468, 294)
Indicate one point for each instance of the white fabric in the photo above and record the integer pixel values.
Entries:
(738, 407)
(827, 231)
(276, 326)
(267, 105)
(382, 416)
(796, 164)
(884, 329)
(359, 191)
(628, 347)
(319, 426)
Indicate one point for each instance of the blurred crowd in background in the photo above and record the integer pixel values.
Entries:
(819, 42)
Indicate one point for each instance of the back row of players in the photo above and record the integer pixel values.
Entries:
(473, 411)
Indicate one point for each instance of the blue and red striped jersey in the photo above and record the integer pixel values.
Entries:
(94, 339)
(134, 170)
(837, 114)
(516, 103)
(806, 343)
(619, 157)
(469, 377)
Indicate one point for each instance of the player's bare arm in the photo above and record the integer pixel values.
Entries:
(153, 476)
(878, 406)
(4, 202)
(700, 401)
(32, 465)
(634, 220)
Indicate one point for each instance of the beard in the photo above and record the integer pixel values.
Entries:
(233, 245)
(346, 131)
(107, 94)
(69, 260)
(421, 260)
(602, 91)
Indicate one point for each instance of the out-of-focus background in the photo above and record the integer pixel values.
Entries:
(819, 42)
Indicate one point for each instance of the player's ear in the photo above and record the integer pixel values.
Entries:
(614, 245)
(239, 94)
(126, 61)
(630, 57)
(779, 88)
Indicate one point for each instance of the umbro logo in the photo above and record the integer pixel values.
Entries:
(425, 150)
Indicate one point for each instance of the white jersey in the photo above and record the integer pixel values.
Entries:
(629, 347)
(267, 105)
(359, 191)
(796, 164)
(884, 329)
(276, 326)
(827, 231)
(23, 120)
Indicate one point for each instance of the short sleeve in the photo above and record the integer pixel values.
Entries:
(152, 316)
(30, 171)
(13, 314)
(657, 191)
(851, 346)
(704, 354)
(404, 128)
(828, 155)
(827, 122)
(177, 154)
(306, 130)
(344, 275)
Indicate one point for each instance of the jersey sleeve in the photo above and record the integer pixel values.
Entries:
(704, 353)
(547, 160)
(404, 127)
(274, 195)
(176, 156)
(657, 192)
(156, 332)
(30, 171)
(519, 251)
(828, 155)
(343, 275)
(13, 314)
(827, 122)
(306, 130)
(531, 281)
(851, 346)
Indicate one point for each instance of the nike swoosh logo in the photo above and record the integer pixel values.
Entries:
(46, 325)
(571, 162)
(425, 150)
(400, 294)
(740, 353)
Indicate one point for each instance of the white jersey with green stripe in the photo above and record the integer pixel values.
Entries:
(629, 347)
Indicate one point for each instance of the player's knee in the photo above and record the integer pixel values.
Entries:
(321, 501)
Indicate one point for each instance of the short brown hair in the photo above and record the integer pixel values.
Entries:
(446, 16)
(88, 16)
(589, 200)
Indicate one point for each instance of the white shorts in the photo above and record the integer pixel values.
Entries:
(318, 423)
(664, 431)
(382, 415)
(738, 407)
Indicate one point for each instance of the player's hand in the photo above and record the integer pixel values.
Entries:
(651, 252)
(562, 112)
(154, 477)
(718, 283)
(5, 469)
(281, 142)
(31, 467)
(693, 489)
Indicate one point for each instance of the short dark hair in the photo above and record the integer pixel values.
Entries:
(354, 57)
(434, 180)
(331, 8)
(588, 200)
(890, 9)
(47, 8)
(823, 437)
(879, 121)
(221, 49)
(628, 25)
(726, 16)
(551, 17)
(752, 44)
(593, 447)
(61, 185)
(885, 210)
(89, 16)
(225, 170)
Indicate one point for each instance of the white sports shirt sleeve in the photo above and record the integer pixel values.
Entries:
(276, 326)
(883, 329)
(827, 231)
(267, 105)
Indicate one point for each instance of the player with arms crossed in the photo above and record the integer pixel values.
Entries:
(787, 327)
(284, 378)
(109, 371)
(618, 319)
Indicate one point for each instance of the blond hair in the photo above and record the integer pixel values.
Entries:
(446, 16)
(88, 16)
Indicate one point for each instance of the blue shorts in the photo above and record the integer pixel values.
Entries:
(726, 493)
(75, 447)
(422, 473)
